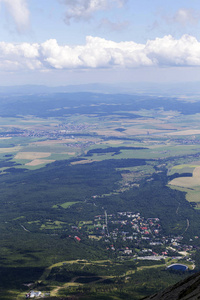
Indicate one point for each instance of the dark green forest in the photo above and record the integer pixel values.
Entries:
(53, 229)
(31, 199)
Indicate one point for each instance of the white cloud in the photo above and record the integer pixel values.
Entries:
(100, 53)
(186, 16)
(168, 51)
(183, 17)
(19, 11)
(84, 9)
(96, 53)
(17, 57)
(59, 57)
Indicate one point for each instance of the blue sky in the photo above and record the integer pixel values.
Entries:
(61, 42)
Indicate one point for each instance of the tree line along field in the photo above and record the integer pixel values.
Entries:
(68, 162)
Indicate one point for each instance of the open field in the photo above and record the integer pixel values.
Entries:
(63, 141)
(31, 155)
(66, 204)
(112, 142)
(192, 194)
(10, 150)
(190, 185)
(83, 131)
(185, 132)
(187, 182)
(186, 166)
(37, 162)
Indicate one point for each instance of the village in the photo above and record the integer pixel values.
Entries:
(52, 131)
(130, 235)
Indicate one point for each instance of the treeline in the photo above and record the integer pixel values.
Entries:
(116, 150)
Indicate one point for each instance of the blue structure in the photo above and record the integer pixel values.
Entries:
(177, 267)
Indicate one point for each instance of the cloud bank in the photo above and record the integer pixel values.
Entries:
(100, 53)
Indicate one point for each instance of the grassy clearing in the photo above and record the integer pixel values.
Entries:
(194, 196)
(185, 132)
(94, 237)
(81, 162)
(81, 223)
(37, 162)
(32, 155)
(181, 171)
(112, 143)
(179, 167)
(10, 150)
(190, 185)
(31, 167)
(66, 204)
(52, 225)
(188, 182)
(34, 222)
(45, 149)
(62, 156)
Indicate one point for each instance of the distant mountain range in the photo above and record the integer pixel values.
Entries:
(173, 89)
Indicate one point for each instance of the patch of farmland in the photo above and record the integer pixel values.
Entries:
(111, 132)
(142, 131)
(55, 142)
(10, 150)
(189, 185)
(185, 132)
(37, 162)
(112, 142)
(188, 182)
(196, 172)
(183, 168)
(179, 167)
(32, 155)
(192, 194)
(45, 148)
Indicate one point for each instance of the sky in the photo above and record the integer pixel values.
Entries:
(64, 42)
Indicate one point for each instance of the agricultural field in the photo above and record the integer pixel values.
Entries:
(190, 185)
(87, 157)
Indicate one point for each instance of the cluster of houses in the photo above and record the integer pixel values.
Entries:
(56, 131)
(33, 294)
(130, 234)
(36, 294)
